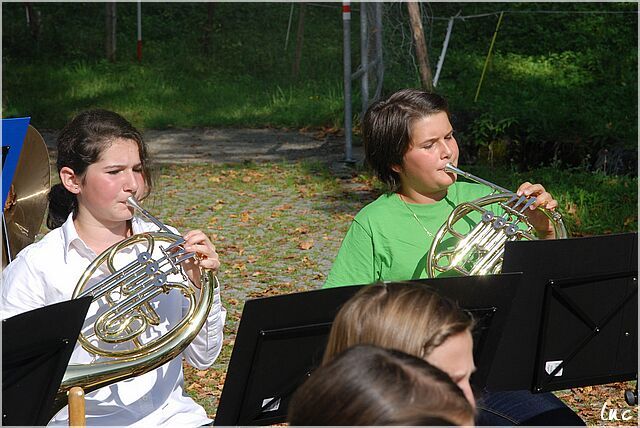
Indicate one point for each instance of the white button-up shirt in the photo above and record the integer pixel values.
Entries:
(47, 271)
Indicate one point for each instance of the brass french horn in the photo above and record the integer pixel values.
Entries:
(480, 250)
(126, 281)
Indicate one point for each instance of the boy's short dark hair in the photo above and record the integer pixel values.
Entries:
(387, 126)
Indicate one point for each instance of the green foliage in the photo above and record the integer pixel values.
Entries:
(486, 129)
(591, 203)
(566, 81)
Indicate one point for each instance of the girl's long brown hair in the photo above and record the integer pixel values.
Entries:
(80, 144)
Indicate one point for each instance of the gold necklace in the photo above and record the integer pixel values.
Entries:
(414, 215)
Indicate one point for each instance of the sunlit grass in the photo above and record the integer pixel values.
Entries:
(151, 97)
(561, 70)
(591, 203)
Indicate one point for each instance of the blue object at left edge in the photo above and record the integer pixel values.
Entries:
(14, 132)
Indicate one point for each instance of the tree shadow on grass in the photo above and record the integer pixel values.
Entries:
(52, 99)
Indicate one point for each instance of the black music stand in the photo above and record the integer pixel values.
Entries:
(574, 320)
(281, 339)
(36, 347)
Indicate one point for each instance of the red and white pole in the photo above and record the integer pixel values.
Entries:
(346, 10)
(139, 47)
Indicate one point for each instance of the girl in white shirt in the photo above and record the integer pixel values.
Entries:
(102, 160)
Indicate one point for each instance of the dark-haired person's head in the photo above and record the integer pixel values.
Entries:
(386, 129)
(80, 144)
(410, 318)
(368, 385)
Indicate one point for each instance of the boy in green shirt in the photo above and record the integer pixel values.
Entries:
(408, 140)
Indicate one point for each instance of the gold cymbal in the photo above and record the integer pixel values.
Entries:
(27, 200)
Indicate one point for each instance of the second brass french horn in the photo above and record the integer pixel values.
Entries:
(26, 204)
(479, 250)
(126, 281)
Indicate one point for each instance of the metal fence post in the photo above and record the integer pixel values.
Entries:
(346, 43)
(379, 59)
(364, 57)
(139, 44)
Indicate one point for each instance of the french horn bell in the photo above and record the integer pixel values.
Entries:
(479, 250)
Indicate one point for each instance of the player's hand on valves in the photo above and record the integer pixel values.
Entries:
(541, 223)
(206, 257)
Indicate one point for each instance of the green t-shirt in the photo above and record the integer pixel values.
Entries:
(385, 242)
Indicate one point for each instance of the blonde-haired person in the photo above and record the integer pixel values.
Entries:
(409, 318)
(415, 319)
(370, 385)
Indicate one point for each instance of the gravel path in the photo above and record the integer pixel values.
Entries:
(218, 145)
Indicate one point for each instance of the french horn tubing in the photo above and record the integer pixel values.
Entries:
(126, 282)
(480, 250)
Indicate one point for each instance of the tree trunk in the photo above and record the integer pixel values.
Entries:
(421, 47)
(299, 39)
(111, 23)
(33, 19)
(208, 28)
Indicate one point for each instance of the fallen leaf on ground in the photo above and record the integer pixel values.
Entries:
(306, 245)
